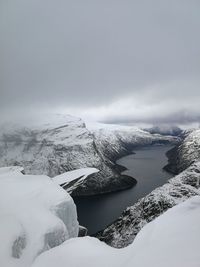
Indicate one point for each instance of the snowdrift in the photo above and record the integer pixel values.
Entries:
(173, 239)
(36, 214)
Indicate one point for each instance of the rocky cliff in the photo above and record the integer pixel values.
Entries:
(185, 153)
(56, 144)
(184, 158)
(123, 231)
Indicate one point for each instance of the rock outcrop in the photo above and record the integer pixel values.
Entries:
(185, 153)
(123, 231)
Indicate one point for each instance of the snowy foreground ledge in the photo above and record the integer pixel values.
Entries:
(36, 214)
(173, 239)
(39, 228)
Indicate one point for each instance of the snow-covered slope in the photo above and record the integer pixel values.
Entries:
(55, 144)
(38, 227)
(48, 148)
(184, 158)
(72, 179)
(123, 231)
(114, 141)
(172, 240)
(36, 214)
(187, 152)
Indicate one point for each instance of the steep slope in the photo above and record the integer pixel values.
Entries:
(184, 154)
(115, 141)
(123, 231)
(56, 144)
(184, 159)
(51, 147)
(172, 240)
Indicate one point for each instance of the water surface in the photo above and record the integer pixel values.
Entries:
(145, 166)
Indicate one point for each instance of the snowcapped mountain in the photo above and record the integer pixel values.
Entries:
(55, 144)
(115, 140)
(48, 148)
(184, 158)
(45, 215)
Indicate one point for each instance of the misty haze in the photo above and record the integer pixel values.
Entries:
(99, 133)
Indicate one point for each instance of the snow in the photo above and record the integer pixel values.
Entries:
(70, 176)
(92, 125)
(114, 135)
(9, 169)
(178, 189)
(55, 144)
(173, 239)
(45, 121)
(36, 214)
(38, 227)
(52, 145)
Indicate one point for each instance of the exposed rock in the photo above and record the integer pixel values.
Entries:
(18, 246)
(184, 154)
(82, 231)
(123, 231)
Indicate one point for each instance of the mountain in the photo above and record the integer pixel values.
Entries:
(185, 157)
(164, 130)
(185, 153)
(55, 144)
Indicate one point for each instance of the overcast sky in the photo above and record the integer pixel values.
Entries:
(110, 60)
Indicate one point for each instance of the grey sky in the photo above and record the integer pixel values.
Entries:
(110, 60)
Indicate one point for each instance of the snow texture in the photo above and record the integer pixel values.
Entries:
(123, 231)
(70, 176)
(186, 156)
(173, 239)
(56, 144)
(36, 214)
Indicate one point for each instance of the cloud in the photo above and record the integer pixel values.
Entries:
(110, 60)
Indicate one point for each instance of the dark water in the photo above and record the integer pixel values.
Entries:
(146, 165)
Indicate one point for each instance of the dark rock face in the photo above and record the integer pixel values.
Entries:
(82, 231)
(184, 159)
(97, 184)
(173, 166)
(123, 231)
(184, 154)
